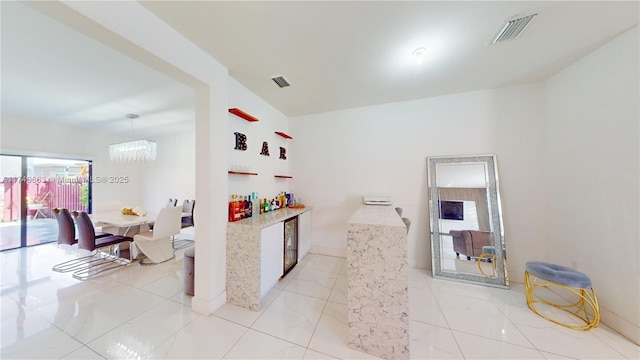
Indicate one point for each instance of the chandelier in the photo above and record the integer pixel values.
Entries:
(136, 150)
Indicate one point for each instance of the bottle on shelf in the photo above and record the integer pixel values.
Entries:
(249, 206)
(234, 208)
(265, 204)
(255, 204)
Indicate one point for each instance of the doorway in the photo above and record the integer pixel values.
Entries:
(31, 188)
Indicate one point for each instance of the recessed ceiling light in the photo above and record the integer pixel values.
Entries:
(420, 54)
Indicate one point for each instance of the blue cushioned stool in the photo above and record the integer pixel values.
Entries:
(581, 300)
(489, 252)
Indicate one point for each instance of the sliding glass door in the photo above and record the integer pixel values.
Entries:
(32, 187)
(12, 210)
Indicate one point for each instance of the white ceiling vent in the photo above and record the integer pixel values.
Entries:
(280, 81)
(512, 28)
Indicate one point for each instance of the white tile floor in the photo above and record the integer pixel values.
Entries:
(139, 312)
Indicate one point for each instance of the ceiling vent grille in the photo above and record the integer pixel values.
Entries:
(280, 81)
(512, 28)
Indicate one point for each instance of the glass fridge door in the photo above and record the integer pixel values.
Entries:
(290, 244)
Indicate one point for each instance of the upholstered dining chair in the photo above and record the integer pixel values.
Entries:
(66, 227)
(156, 245)
(170, 203)
(67, 236)
(88, 241)
(407, 223)
(187, 207)
(187, 221)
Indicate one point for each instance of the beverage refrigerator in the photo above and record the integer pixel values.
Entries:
(290, 245)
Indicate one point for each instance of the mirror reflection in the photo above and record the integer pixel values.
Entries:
(467, 236)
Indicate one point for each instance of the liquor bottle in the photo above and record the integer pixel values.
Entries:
(234, 211)
(243, 207)
(255, 203)
(231, 208)
(238, 208)
(249, 206)
(265, 204)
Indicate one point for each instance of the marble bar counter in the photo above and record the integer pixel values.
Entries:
(244, 255)
(378, 282)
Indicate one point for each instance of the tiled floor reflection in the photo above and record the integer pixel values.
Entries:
(140, 312)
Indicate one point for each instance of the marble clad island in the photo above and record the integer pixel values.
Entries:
(378, 282)
(244, 255)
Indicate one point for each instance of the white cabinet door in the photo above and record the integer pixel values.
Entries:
(271, 256)
(304, 234)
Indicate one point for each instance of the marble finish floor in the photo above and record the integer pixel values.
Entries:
(140, 312)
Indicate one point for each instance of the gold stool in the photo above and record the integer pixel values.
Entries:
(584, 306)
(489, 252)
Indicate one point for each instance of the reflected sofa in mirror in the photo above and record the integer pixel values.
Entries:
(467, 242)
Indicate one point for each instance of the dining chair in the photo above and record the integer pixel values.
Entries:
(66, 227)
(407, 223)
(187, 207)
(187, 221)
(88, 241)
(67, 236)
(156, 245)
(170, 203)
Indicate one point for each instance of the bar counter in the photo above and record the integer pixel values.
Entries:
(378, 282)
(244, 255)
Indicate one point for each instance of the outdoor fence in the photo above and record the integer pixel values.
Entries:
(43, 196)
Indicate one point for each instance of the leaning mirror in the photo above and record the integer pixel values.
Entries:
(467, 242)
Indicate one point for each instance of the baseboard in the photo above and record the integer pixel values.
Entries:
(620, 325)
(329, 251)
(208, 307)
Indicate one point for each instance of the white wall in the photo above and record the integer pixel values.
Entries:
(339, 156)
(592, 162)
(270, 120)
(37, 138)
(181, 59)
(173, 174)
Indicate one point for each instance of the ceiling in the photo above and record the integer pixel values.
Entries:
(51, 72)
(344, 54)
(336, 55)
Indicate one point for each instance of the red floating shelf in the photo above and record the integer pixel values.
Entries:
(283, 135)
(242, 114)
(283, 176)
(241, 173)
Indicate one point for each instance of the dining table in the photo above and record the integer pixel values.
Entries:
(124, 225)
(117, 223)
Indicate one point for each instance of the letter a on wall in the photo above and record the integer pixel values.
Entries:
(265, 149)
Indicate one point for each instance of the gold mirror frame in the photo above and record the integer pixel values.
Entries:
(498, 275)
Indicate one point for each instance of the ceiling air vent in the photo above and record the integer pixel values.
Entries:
(512, 28)
(280, 81)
